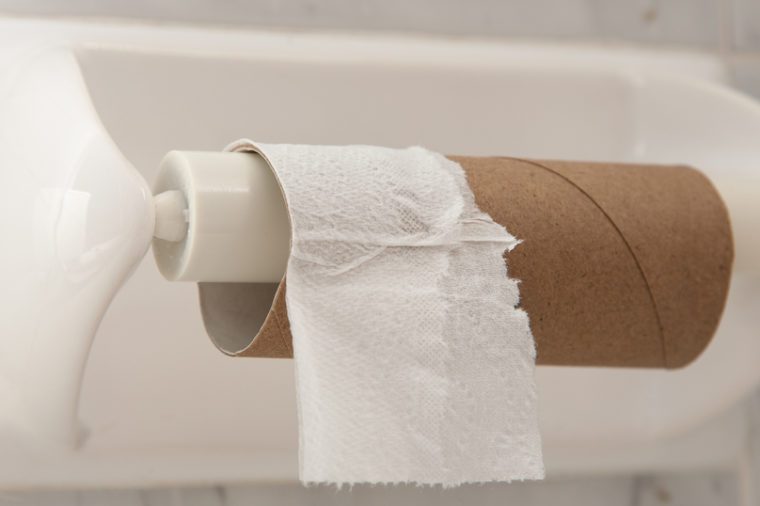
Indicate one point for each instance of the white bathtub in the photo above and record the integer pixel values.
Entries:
(160, 404)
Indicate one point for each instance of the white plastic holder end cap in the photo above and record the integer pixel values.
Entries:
(220, 217)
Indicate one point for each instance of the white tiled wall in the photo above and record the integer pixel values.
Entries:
(730, 28)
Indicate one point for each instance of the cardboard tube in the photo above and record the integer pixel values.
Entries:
(621, 265)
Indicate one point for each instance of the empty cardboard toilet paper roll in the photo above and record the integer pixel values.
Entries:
(620, 265)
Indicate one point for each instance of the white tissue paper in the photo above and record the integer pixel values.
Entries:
(413, 364)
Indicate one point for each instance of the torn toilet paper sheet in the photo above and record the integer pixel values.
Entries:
(413, 363)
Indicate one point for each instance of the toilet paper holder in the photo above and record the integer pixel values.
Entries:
(222, 221)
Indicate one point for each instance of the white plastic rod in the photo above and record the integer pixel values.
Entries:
(171, 216)
(220, 217)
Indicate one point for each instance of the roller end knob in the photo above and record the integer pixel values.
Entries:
(220, 217)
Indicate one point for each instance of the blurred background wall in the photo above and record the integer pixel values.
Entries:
(728, 27)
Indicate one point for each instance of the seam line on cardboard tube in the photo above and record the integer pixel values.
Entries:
(625, 241)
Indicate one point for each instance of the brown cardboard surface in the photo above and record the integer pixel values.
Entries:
(621, 265)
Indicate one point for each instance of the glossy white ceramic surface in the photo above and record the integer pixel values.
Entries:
(161, 404)
(76, 220)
